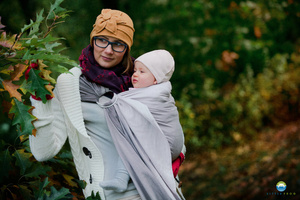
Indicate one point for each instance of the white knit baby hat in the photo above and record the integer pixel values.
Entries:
(160, 62)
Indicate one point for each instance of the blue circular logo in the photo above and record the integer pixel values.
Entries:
(281, 186)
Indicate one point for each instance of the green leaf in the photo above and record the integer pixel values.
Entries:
(49, 47)
(25, 191)
(63, 193)
(46, 56)
(26, 27)
(65, 155)
(55, 9)
(5, 160)
(39, 18)
(22, 160)
(59, 68)
(22, 116)
(82, 184)
(40, 192)
(94, 197)
(37, 169)
(34, 25)
(36, 85)
(39, 43)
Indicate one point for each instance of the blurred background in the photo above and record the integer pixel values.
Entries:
(236, 86)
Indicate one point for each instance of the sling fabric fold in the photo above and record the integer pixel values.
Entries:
(136, 122)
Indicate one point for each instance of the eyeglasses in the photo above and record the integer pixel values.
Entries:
(116, 46)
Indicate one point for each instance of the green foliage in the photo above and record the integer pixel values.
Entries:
(225, 52)
(22, 117)
(33, 46)
(53, 195)
(29, 64)
(248, 170)
(24, 178)
(223, 116)
(94, 197)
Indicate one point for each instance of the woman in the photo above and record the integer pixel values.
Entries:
(106, 62)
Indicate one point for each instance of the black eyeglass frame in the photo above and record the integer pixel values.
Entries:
(110, 43)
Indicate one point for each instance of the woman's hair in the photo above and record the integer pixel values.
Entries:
(127, 62)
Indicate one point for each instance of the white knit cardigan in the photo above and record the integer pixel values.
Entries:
(60, 118)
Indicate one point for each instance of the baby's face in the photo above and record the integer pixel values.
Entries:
(142, 76)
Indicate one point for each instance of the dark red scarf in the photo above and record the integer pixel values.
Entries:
(112, 78)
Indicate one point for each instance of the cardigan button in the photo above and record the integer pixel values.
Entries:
(91, 179)
(87, 152)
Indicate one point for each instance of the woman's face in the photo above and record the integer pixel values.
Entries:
(107, 57)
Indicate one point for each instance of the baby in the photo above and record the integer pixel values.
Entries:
(153, 68)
